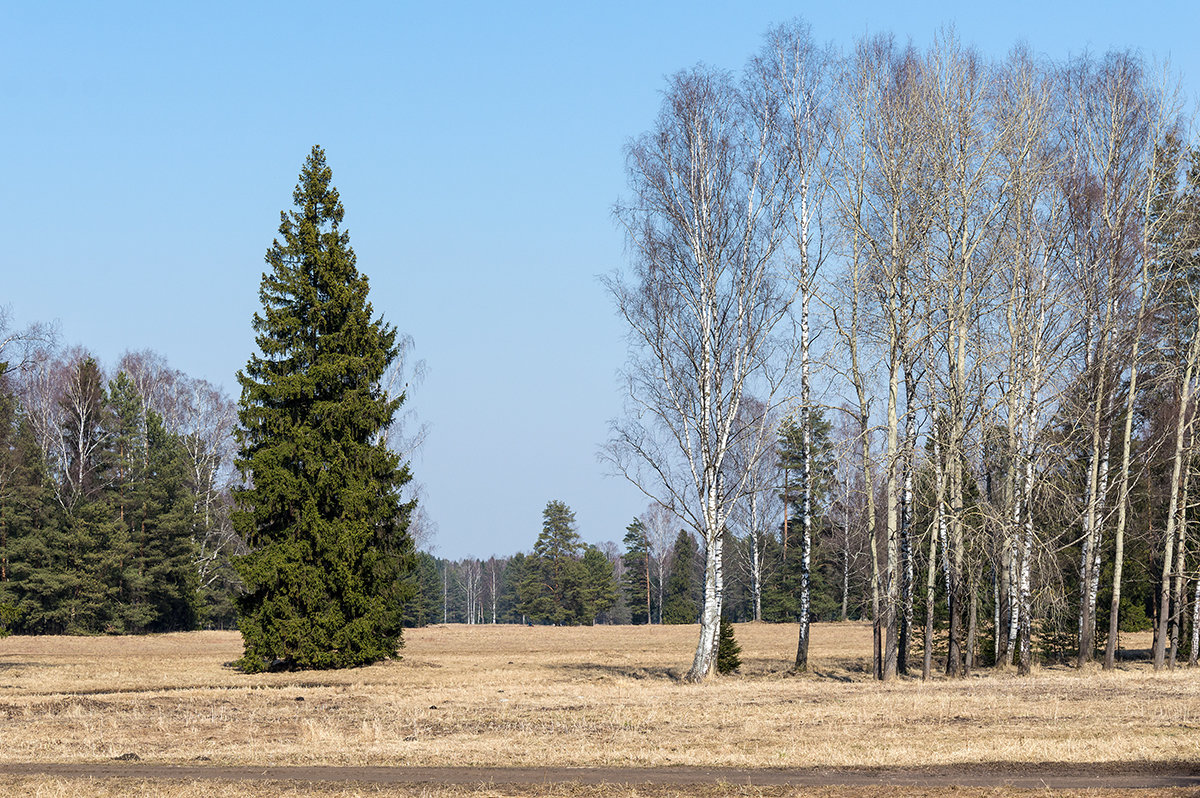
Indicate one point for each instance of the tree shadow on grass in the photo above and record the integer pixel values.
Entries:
(639, 672)
(753, 668)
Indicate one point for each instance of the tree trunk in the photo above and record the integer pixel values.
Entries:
(972, 625)
(891, 582)
(1097, 354)
(755, 576)
(1110, 645)
(1195, 625)
(1164, 607)
(930, 584)
(704, 663)
(806, 438)
(906, 517)
(1180, 554)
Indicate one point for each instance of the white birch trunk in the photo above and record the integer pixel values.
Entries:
(1160, 637)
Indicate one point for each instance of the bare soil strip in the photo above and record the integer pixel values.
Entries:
(1052, 776)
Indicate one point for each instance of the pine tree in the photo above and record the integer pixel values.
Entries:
(325, 582)
(550, 588)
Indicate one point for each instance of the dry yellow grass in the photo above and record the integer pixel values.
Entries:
(113, 788)
(550, 697)
(150, 788)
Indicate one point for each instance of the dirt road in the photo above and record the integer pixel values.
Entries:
(1052, 776)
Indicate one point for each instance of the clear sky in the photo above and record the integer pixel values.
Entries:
(149, 147)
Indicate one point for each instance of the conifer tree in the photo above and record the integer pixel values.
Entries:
(728, 650)
(598, 591)
(29, 564)
(325, 581)
(550, 589)
(682, 601)
(636, 579)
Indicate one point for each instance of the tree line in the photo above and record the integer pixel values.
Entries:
(982, 273)
(654, 576)
(114, 495)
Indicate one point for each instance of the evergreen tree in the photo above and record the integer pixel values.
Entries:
(321, 509)
(24, 512)
(32, 529)
(550, 588)
(728, 650)
(425, 605)
(636, 580)
(515, 572)
(681, 604)
(82, 586)
(163, 522)
(598, 591)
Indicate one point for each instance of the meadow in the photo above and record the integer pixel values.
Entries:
(543, 697)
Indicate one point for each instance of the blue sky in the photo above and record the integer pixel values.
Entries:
(149, 148)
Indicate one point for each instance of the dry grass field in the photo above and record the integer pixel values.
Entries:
(484, 696)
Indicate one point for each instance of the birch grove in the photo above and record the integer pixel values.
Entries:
(998, 258)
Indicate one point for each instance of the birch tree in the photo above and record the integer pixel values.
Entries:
(880, 172)
(759, 510)
(1105, 141)
(964, 140)
(1158, 216)
(703, 298)
(796, 73)
(1030, 247)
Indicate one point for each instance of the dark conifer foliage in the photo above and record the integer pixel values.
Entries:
(636, 581)
(598, 591)
(728, 650)
(550, 591)
(681, 604)
(326, 579)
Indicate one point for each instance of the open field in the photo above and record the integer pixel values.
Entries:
(538, 697)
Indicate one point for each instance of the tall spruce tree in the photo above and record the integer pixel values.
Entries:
(326, 578)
